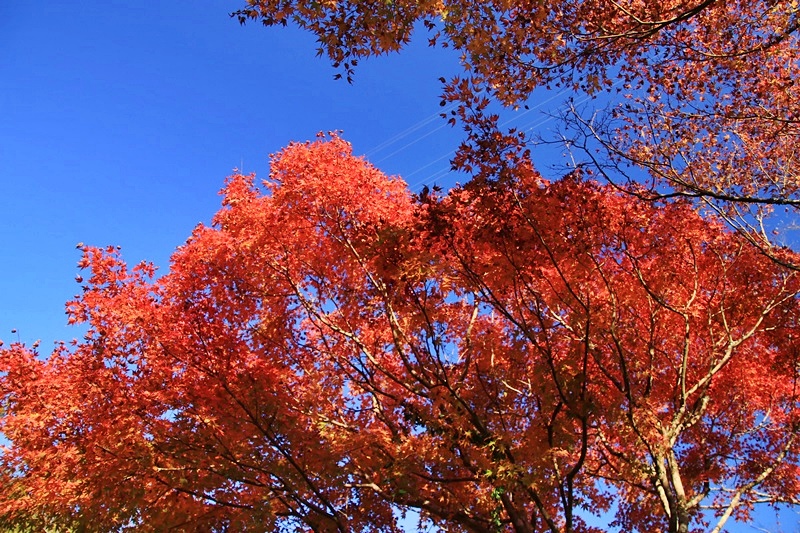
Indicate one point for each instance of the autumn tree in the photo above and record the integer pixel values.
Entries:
(702, 94)
(334, 350)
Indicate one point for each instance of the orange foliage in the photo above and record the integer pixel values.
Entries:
(702, 94)
(510, 357)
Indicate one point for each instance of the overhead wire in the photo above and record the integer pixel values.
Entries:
(408, 131)
(444, 171)
(530, 126)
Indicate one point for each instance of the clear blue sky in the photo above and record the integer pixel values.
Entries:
(119, 122)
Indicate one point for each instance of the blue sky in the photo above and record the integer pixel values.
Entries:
(119, 122)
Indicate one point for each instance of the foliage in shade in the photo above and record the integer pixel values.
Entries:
(509, 356)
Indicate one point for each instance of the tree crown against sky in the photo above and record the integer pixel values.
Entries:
(514, 354)
(702, 94)
(517, 356)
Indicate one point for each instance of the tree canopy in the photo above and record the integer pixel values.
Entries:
(702, 95)
(512, 356)
(515, 354)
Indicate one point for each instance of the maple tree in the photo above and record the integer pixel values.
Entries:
(512, 356)
(702, 94)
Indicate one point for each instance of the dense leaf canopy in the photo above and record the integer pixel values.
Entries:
(515, 354)
(512, 356)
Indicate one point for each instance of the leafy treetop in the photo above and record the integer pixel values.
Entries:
(702, 93)
(515, 357)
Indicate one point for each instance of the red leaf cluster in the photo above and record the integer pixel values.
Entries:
(513, 357)
(701, 95)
